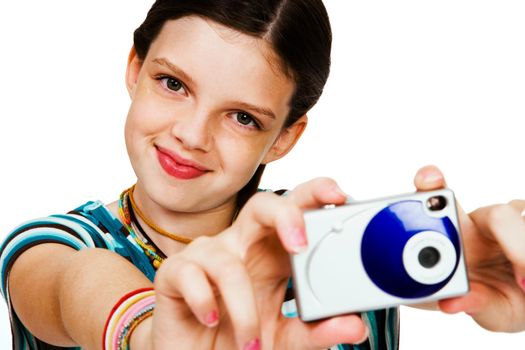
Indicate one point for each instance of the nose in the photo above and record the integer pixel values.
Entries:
(193, 130)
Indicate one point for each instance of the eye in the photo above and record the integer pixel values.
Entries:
(172, 84)
(246, 119)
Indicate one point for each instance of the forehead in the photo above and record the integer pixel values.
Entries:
(214, 56)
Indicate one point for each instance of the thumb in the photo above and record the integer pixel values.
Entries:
(429, 178)
(348, 329)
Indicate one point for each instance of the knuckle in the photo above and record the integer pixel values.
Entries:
(324, 181)
(514, 202)
(318, 182)
(289, 212)
(199, 301)
(229, 270)
(174, 266)
(256, 201)
(261, 201)
(201, 241)
(168, 272)
(186, 271)
(517, 204)
(261, 197)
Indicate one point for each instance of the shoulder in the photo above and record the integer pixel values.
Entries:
(77, 229)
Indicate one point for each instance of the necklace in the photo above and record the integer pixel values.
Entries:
(148, 222)
(128, 219)
(139, 231)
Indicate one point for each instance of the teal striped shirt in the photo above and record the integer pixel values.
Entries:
(93, 226)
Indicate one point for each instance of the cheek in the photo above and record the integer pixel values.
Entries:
(147, 118)
(241, 157)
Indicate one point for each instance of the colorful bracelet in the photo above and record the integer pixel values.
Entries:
(125, 316)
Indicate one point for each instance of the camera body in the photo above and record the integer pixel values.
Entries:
(381, 253)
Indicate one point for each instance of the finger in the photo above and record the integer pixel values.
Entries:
(229, 274)
(266, 212)
(184, 284)
(487, 307)
(188, 281)
(173, 319)
(429, 178)
(316, 193)
(519, 205)
(349, 329)
(471, 303)
(505, 225)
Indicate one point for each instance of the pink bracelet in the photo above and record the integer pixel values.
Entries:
(129, 311)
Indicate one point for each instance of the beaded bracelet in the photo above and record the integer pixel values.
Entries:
(125, 316)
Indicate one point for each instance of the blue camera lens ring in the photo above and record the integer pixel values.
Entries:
(384, 240)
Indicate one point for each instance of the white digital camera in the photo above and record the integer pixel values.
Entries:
(381, 253)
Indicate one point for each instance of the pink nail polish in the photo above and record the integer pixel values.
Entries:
(523, 284)
(212, 318)
(253, 345)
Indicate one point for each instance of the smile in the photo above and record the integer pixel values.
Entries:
(179, 167)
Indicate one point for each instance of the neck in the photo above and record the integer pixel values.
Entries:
(191, 225)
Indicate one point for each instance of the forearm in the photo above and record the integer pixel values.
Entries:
(67, 300)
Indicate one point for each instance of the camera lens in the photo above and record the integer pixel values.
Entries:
(436, 203)
(428, 257)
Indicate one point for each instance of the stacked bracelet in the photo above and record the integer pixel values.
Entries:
(125, 316)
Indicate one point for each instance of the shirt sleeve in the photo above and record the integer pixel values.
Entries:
(73, 230)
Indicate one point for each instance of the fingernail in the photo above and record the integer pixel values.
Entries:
(212, 319)
(431, 176)
(522, 285)
(253, 345)
(298, 240)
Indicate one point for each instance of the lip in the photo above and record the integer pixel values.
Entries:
(177, 166)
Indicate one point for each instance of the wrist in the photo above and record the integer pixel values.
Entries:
(128, 314)
(141, 338)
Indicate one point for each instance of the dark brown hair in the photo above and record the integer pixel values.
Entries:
(298, 30)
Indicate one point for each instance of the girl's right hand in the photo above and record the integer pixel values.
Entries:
(226, 291)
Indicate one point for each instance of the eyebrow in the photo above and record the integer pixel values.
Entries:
(180, 73)
(260, 110)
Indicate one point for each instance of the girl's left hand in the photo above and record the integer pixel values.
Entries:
(494, 243)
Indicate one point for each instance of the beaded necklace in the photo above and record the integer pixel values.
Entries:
(141, 233)
(127, 208)
(128, 219)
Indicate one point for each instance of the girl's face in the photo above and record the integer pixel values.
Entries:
(208, 106)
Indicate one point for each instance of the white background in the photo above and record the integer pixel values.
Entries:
(413, 83)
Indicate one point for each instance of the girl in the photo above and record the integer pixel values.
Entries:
(213, 100)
